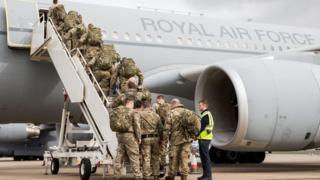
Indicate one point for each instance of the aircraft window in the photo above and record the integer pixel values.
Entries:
(209, 44)
(126, 36)
(148, 37)
(138, 37)
(245, 46)
(180, 40)
(288, 47)
(115, 35)
(159, 39)
(218, 43)
(227, 44)
(272, 48)
(189, 41)
(199, 43)
(264, 47)
(280, 48)
(236, 45)
(255, 46)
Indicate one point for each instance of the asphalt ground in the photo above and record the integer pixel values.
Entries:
(275, 167)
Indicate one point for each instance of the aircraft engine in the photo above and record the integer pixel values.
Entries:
(18, 132)
(267, 103)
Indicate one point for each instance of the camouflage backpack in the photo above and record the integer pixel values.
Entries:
(120, 119)
(190, 122)
(72, 19)
(129, 68)
(163, 110)
(94, 35)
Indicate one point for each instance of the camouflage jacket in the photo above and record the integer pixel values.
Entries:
(149, 122)
(173, 130)
(135, 126)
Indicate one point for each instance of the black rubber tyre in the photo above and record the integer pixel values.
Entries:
(231, 157)
(17, 158)
(216, 155)
(244, 157)
(257, 157)
(85, 169)
(54, 166)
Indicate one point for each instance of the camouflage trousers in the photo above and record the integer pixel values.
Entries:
(150, 156)
(127, 145)
(163, 153)
(179, 158)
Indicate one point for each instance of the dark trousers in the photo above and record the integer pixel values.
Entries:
(205, 158)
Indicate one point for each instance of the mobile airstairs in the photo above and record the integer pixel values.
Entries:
(80, 88)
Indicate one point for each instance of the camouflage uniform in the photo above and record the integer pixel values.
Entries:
(57, 13)
(129, 69)
(128, 145)
(143, 93)
(72, 24)
(121, 97)
(179, 142)
(151, 128)
(94, 36)
(163, 111)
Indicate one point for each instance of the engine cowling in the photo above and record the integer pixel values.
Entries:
(262, 104)
(18, 132)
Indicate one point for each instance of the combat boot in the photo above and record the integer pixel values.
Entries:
(169, 178)
(183, 177)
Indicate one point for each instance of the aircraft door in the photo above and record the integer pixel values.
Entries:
(20, 17)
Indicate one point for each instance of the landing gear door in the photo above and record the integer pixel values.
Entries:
(20, 16)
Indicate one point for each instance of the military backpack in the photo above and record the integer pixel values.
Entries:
(120, 119)
(190, 123)
(94, 36)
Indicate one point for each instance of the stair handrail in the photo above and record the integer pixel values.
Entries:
(89, 71)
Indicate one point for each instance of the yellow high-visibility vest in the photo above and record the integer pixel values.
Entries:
(204, 134)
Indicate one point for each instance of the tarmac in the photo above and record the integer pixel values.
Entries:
(293, 166)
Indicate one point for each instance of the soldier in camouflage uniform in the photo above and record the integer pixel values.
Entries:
(57, 13)
(128, 69)
(162, 109)
(179, 142)
(131, 91)
(73, 30)
(151, 128)
(128, 144)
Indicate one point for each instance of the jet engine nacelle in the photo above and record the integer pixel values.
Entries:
(267, 103)
(18, 132)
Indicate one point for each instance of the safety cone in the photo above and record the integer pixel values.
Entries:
(193, 163)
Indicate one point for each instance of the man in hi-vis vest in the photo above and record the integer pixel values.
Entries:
(205, 137)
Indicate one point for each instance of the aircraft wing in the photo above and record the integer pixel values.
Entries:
(179, 79)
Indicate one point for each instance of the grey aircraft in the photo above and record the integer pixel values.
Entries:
(262, 81)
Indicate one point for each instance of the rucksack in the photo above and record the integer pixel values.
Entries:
(120, 119)
(129, 68)
(190, 122)
(163, 110)
(94, 36)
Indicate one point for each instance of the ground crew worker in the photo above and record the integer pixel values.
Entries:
(162, 109)
(179, 143)
(151, 128)
(204, 138)
(128, 144)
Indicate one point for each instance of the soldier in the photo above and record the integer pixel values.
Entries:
(129, 69)
(128, 143)
(57, 13)
(162, 109)
(131, 91)
(94, 36)
(76, 37)
(72, 27)
(151, 128)
(179, 142)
